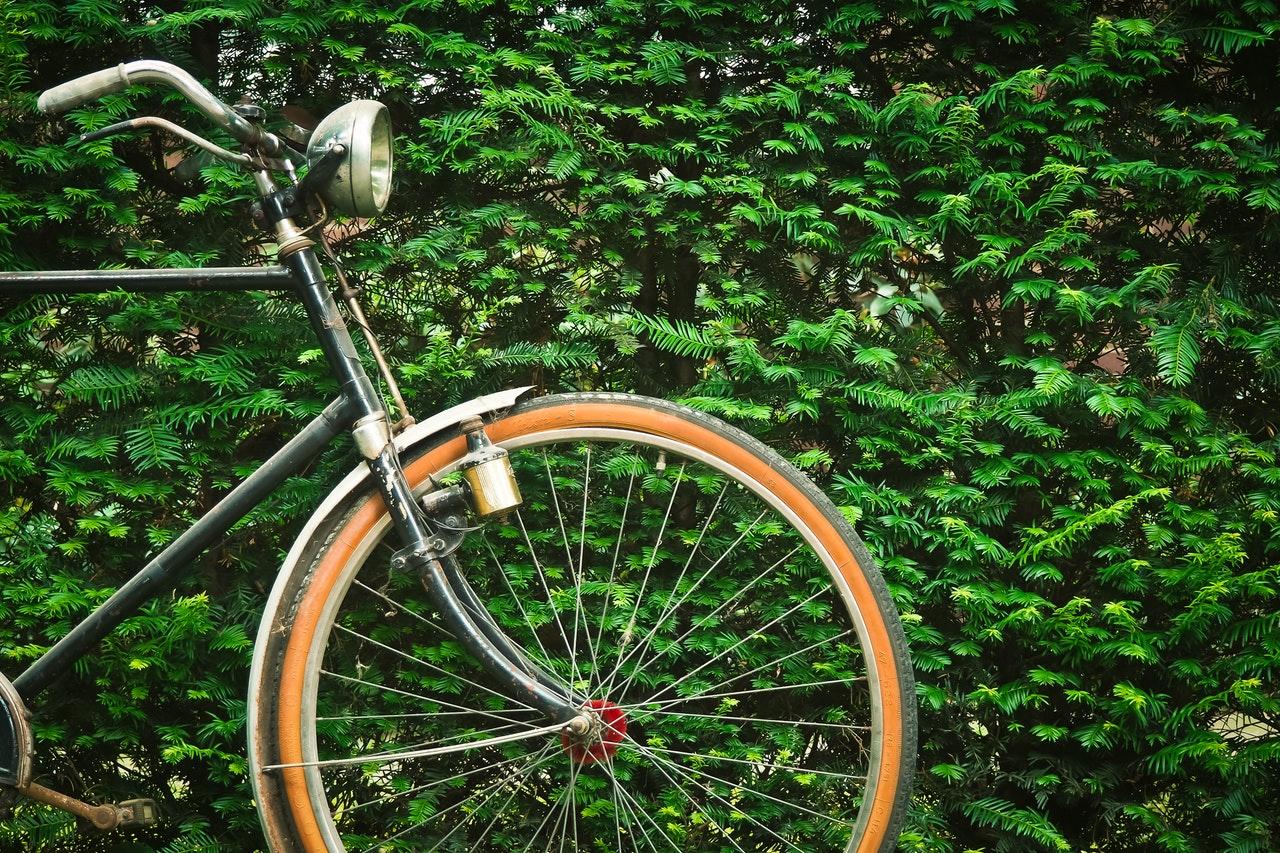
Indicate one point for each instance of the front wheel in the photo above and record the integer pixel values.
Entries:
(721, 618)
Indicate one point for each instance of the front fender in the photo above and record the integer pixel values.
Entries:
(260, 733)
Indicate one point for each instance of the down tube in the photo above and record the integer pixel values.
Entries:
(178, 559)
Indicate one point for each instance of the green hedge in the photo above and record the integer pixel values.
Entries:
(1002, 278)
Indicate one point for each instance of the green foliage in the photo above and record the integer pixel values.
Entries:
(1001, 275)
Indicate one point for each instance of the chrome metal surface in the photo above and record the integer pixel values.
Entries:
(371, 434)
(362, 184)
(91, 86)
(487, 470)
(20, 283)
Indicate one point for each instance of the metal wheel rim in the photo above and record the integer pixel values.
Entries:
(310, 748)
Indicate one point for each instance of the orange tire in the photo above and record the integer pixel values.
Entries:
(681, 660)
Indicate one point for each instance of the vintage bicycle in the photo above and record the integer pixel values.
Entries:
(588, 621)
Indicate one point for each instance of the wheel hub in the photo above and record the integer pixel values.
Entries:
(600, 741)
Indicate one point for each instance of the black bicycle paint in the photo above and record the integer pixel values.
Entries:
(179, 558)
(359, 403)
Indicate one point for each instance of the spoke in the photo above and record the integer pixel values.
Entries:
(550, 811)
(845, 726)
(574, 768)
(675, 587)
(634, 821)
(431, 666)
(689, 775)
(698, 583)
(546, 656)
(644, 583)
(421, 714)
(694, 803)
(555, 501)
(538, 759)
(582, 554)
(726, 682)
(573, 805)
(426, 785)
(613, 569)
(569, 567)
(525, 663)
(643, 664)
(771, 765)
(560, 815)
(621, 811)
(441, 702)
(631, 806)
(745, 639)
(401, 834)
(742, 787)
(715, 507)
(542, 578)
(451, 738)
(510, 797)
(638, 809)
(617, 809)
(443, 812)
(405, 755)
(401, 607)
(695, 696)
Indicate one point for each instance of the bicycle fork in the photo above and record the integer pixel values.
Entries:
(429, 554)
(491, 489)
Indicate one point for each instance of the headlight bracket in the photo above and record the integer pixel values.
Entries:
(292, 202)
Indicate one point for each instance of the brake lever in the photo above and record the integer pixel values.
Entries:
(104, 132)
(177, 130)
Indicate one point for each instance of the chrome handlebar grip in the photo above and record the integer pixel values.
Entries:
(92, 86)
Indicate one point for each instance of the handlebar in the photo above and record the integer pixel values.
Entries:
(90, 87)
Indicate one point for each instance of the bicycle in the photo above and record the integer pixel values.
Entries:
(444, 663)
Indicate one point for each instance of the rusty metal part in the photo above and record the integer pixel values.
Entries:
(16, 744)
(487, 470)
(581, 726)
(441, 500)
(292, 243)
(104, 817)
(138, 813)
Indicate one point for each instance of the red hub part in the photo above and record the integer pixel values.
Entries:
(605, 744)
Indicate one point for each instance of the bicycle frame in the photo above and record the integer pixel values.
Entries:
(357, 409)
(429, 532)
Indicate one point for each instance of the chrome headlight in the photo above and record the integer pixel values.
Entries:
(362, 184)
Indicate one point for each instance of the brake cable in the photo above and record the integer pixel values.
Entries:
(350, 296)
